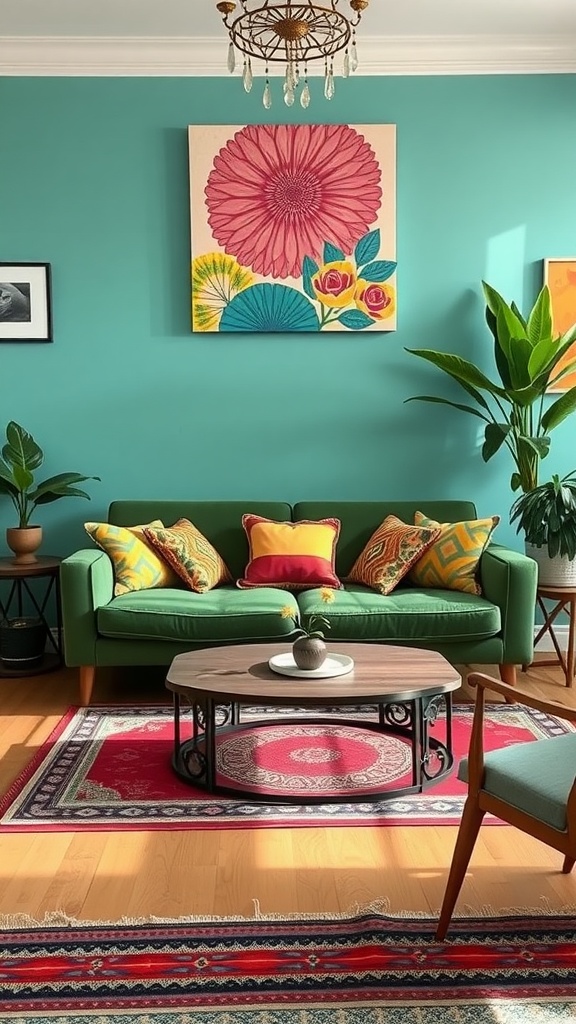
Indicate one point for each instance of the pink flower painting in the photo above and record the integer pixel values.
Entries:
(305, 209)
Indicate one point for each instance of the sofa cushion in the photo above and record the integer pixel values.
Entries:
(452, 561)
(290, 556)
(223, 615)
(407, 614)
(390, 552)
(136, 565)
(190, 554)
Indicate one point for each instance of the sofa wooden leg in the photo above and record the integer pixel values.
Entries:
(87, 674)
(508, 674)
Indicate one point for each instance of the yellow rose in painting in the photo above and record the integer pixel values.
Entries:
(377, 300)
(334, 284)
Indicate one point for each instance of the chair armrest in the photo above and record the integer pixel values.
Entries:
(517, 696)
(509, 580)
(87, 583)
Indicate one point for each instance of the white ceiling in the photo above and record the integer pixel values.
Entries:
(198, 18)
(187, 37)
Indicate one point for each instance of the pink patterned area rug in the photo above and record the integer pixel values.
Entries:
(110, 768)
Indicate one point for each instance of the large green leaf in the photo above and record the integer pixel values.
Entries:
(446, 401)
(459, 369)
(559, 410)
(21, 449)
(494, 437)
(60, 486)
(539, 327)
(499, 357)
(519, 359)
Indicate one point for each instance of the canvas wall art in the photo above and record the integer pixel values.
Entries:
(293, 227)
(560, 276)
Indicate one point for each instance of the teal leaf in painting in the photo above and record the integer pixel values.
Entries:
(332, 254)
(309, 268)
(378, 271)
(266, 308)
(355, 319)
(367, 248)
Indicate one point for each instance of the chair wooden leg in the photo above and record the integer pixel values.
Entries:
(469, 826)
(568, 865)
(87, 674)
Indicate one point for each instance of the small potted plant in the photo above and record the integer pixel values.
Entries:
(21, 456)
(547, 514)
(309, 649)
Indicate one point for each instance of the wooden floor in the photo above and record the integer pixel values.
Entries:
(107, 875)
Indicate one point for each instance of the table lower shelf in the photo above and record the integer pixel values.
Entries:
(49, 663)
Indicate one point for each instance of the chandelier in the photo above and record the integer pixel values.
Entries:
(293, 34)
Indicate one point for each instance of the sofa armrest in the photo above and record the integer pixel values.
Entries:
(509, 579)
(87, 583)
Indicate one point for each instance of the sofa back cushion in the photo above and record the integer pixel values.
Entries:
(359, 520)
(219, 521)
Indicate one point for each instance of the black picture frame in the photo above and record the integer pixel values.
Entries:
(25, 302)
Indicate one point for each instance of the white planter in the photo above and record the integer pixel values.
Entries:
(559, 571)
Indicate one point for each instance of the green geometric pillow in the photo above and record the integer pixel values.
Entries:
(136, 564)
(452, 560)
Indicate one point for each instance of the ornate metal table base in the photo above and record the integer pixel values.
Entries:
(194, 759)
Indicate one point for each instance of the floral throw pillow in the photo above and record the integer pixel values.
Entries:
(190, 555)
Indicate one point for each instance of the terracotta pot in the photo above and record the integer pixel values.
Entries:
(309, 652)
(24, 541)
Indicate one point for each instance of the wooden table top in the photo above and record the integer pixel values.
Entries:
(241, 673)
(45, 565)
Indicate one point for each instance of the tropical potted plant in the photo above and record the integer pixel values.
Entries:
(21, 456)
(527, 358)
(547, 514)
(309, 649)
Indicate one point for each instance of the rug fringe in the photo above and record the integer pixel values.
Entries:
(380, 907)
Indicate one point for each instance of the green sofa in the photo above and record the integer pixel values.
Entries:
(149, 627)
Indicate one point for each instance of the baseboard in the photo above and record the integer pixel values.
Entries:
(545, 644)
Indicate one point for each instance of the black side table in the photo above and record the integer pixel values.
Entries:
(20, 578)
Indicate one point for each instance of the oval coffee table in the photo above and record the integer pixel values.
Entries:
(410, 688)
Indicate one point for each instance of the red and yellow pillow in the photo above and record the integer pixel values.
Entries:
(291, 556)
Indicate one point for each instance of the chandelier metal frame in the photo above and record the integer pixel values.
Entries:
(294, 34)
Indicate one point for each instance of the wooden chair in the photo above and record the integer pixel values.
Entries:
(529, 785)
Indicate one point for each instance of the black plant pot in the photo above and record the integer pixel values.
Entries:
(22, 642)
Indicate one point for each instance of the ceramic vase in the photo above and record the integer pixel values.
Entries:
(309, 652)
(24, 541)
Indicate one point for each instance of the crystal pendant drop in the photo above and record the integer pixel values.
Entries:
(231, 58)
(329, 85)
(305, 96)
(288, 96)
(353, 57)
(267, 97)
(346, 66)
(247, 76)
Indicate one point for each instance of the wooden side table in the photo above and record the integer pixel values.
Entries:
(20, 578)
(565, 600)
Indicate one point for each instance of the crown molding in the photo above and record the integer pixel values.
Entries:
(190, 57)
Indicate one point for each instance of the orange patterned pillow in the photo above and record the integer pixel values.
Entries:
(291, 556)
(190, 554)
(391, 551)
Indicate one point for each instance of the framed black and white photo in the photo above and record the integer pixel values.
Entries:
(25, 306)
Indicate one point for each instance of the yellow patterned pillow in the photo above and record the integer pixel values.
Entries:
(190, 554)
(391, 551)
(452, 561)
(136, 565)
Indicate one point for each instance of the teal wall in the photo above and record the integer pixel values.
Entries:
(93, 179)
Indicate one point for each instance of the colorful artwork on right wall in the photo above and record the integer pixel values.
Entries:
(560, 276)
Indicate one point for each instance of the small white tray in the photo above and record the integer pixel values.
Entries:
(333, 665)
